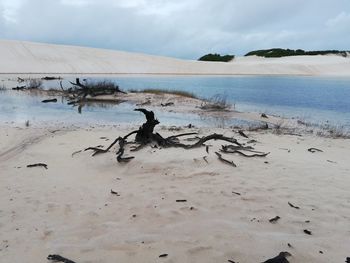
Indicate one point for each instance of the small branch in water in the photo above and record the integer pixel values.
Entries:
(50, 78)
(49, 100)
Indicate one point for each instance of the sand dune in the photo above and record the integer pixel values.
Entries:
(27, 57)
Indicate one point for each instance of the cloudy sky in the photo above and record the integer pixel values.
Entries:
(180, 28)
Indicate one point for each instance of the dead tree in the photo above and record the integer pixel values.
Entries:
(79, 92)
(146, 135)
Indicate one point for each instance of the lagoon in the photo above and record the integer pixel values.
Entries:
(311, 99)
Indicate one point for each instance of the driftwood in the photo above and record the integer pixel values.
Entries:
(19, 88)
(49, 100)
(224, 160)
(80, 91)
(74, 153)
(50, 78)
(98, 150)
(246, 155)
(235, 149)
(242, 134)
(58, 258)
(37, 165)
(114, 193)
(145, 135)
(291, 205)
(281, 258)
(120, 152)
(252, 141)
(313, 150)
(308, 232)
(167, 104)
(275, 219)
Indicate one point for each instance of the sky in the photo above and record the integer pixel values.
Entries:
(180, 28)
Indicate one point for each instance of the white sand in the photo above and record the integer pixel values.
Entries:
(27, 57)
(69, 210)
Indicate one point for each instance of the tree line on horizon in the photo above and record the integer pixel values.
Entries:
(216, 57)
(280, 52)
(274, 53)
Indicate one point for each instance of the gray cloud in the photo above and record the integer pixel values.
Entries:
(185, 29)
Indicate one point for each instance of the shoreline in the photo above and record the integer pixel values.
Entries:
(43, 74)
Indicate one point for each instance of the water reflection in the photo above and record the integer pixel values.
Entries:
(17, 106)
(89, 105)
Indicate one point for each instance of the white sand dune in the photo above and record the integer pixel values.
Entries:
(28, 57)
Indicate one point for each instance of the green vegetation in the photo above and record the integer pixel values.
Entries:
(102, 87)
(280, 52)
(217, 57)
(161, 91)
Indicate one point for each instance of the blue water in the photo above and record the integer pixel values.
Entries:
(314, 99)
(310, 98)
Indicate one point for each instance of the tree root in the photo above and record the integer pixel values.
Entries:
(145, 135)
(224, 160)
(230, 150)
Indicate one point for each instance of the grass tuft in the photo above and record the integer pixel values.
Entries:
(2, 87)
(161, 91)
(34, 83)
(216, 103)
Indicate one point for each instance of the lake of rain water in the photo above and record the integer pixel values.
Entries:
(311, 99)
